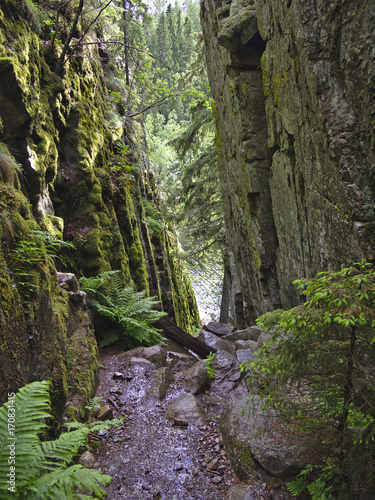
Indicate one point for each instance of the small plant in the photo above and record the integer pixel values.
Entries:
(154, 221)
(209, 362)
(32, 469)
(131, 312)
(317, 487)
(28, 257)
(94, 404)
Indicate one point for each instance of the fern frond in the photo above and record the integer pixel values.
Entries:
(108, 424)
(110, 337)
(31, 404)
(71, 426)
(297, 487)
(319, 491)
(62, 484)
(95, 283)
(32, 457)
(62, 450)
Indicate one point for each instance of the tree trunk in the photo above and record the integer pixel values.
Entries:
(348, 390)
(126, 40)
(60, 62)
(176, 333)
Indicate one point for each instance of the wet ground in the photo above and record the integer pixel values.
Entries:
(148, 457)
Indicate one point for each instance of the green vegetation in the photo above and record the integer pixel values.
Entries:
(28, 256)
(319, 365)
(209, 362)
(36, 469)
(129, 311)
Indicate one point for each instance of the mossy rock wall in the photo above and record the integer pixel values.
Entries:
(293, 92)
(58, 177)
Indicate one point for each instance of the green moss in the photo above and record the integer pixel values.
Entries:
(246, 461)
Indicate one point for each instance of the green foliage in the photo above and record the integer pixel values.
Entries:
(316, 481)
(28, 257)
(130, 311)
(95, 426)
(154, 220)
(320, 360)
(41, 468)
(209, 361)
(93, 404)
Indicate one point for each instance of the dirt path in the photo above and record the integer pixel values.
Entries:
(148, 457)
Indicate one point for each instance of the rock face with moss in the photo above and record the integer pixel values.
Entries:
(294, 98)
(71, 169)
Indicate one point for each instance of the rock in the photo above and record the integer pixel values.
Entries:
(213, 464)
(186, 407)
(220, 329)
(87, 459)
(196, 378)
(257, 443)
(118, 376)
(137, 352)
(264, 337)
(251, 333)
(157, 354)
(179, 362)
(67, 281)
(180, 423)
(162, 379)
(245, 344)
(215, 342)
(244, 355)
(243, 492)
(227, 373)
(105, 413)
(141, 364)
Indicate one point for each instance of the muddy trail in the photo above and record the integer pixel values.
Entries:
(153, 457)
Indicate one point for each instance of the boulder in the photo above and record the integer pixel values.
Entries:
(219, 344)
(162, 379)
(257, 442)
(179, 362)
(196, 378)
(251, 333)
(141, 364)
(245, 344)
(157, 354)
(220, 329)
(227, 373)
(186, 407)
(244, 355)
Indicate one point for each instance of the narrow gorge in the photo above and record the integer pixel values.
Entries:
(85, 213)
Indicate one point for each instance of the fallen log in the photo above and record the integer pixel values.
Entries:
(179, 335)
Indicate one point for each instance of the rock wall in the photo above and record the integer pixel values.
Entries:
(71, 167)
(293, 89)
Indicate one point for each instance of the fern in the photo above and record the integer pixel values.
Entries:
(131, 311)
(318, 489)
(41, 468)
(297, 487)
(95, 426)
(94, 404)
(110, 337)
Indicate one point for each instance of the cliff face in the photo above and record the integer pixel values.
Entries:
(293, 86)
(70, 168)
